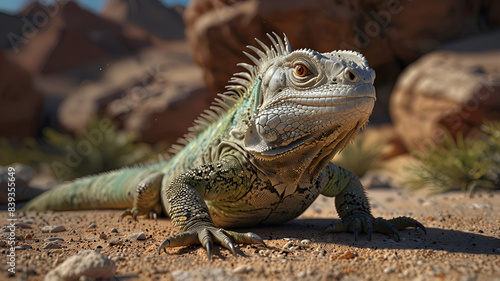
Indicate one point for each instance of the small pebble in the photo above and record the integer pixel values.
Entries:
(136, 236)
(305, 242)
(52, 245)
(429, 203)
(90, 239)
(242, 269)
(319, 252)
(113, 230)
(51, 239)
(301, 275)
(22, 247)
(468, 277)
(103, 236)
(53, 228)
(389, 270)
(477, 206)
(116, 242)
(23, 225)
(288, 246)
(92, 226)
(346, 256)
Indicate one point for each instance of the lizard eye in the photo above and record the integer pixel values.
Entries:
(301, 70)
(351, 76)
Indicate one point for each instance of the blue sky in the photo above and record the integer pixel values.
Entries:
(11, 7)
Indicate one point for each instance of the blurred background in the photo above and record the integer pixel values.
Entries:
(89, 86)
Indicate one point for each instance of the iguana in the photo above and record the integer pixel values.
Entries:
(261, 155)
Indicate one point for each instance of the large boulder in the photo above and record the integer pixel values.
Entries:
(20, 103)
(64, 36)
(454, 89)
(389, 33)
(152, 15)
(154, 95)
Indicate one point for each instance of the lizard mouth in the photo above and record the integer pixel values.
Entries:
(342, 137)
(287, 148)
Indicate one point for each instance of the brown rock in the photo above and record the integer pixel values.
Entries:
(491, 8)
(64, 36)
(20, 103)
(11, 25)
(154, 95)
(219, 33)
(346, 256)
(86, 265)
(151, 15)
(446, 90)
(384, 135)
(387, 32)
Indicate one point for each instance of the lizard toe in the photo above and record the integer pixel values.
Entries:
(135, 212)
(336, 227)
(181, 239)
(368, 224)
(245, 238)
(404, 222)
(125, 213)
(205, 238)
(206, 235)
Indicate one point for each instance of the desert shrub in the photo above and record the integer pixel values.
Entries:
(459, 164)
(100, 147)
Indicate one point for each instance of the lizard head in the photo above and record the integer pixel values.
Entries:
(309, 101)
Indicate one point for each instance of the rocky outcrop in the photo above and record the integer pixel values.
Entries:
(20, 103)
(448, 90)
(151, 15)
(389, 33)
(64, 36)
(10, 25)
(154, 95)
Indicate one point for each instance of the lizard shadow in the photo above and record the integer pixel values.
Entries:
(436, 239)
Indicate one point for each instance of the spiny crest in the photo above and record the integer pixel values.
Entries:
(353, 53)
(239, 87)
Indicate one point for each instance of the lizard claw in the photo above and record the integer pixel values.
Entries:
(153, 215)
(125, 213)
(404, 222)
(205, 235)
(396, 232)
(369, 224)
(421, 226)
(129, 212)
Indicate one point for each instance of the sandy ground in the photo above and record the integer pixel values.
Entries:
(462, 243)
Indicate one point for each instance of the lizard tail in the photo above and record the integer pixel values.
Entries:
(111, 190)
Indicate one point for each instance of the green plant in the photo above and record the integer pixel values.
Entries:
(26, 151)
(461, 164)
(358, 157)
(100, 147)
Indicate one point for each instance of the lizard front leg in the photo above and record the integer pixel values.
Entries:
(184, 201)
(353, 207)
(146, 197)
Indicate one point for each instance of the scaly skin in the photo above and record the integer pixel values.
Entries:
(260, 156)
